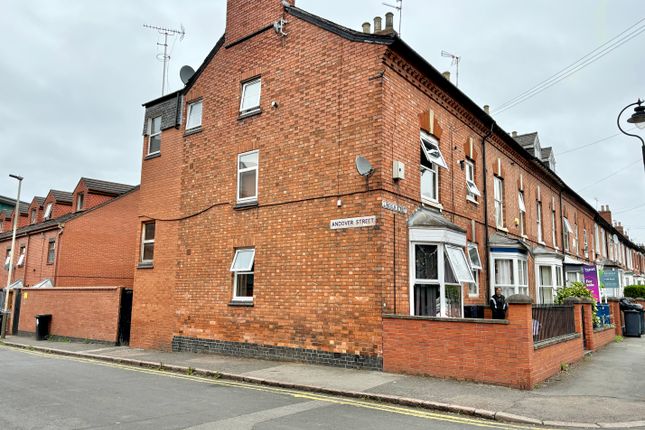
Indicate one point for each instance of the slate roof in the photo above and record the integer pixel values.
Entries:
(546, 153)
(526, 140)
(39, 200)
(424, 217)
(105, 187)
(9, 201)
(62, 196)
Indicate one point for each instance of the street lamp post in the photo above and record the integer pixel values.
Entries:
(16, 215)
(637, 118)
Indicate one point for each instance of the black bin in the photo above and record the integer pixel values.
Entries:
(42, 326)
(632, 323)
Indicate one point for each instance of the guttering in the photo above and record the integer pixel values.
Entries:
(488, 134)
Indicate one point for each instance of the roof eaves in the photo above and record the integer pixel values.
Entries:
(162, 98)
(204, 64)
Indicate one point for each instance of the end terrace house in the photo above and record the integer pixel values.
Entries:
(310, 179)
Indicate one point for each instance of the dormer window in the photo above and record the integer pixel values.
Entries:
(154, 136)
(48, 211)
(32, 219)
(250, 100)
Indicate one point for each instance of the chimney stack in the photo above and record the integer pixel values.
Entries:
(446, 75)
(487, 109)
(377, 24)
(366, 28)
(620, 228)
(513, 134)
(389, 21)
(605, 213)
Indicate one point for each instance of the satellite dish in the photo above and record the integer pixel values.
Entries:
(186, 73)
(363, 166)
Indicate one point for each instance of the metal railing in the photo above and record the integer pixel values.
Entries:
(551, 321)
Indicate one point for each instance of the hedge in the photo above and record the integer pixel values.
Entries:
(635, 291)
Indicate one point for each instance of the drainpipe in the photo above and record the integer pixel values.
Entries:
(57, 251)
(485, 190)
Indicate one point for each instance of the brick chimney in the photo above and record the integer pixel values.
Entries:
(244, 17)
(620, 228)
(605, 213)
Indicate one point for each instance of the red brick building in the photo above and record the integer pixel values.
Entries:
(259, 236)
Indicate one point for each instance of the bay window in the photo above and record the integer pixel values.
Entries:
(510, 273)
(548, 279)
(438, 272)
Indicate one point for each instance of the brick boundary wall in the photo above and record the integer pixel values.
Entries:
(603, 337)
(281, 353)
(616, 315)
(90, 313)
(498, 352)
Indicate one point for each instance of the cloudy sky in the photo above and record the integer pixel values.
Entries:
(73, 76)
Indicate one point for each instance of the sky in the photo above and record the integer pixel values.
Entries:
(74, 73)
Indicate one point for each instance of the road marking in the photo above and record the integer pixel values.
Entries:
(248, 421)
(417, 413)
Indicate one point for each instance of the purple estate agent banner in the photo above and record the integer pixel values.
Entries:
(591, 281)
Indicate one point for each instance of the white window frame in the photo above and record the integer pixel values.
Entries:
(152, 133)
(498, 192)
(472, 190)
(434, 198)
(442, 255)
(33, 216)
(431, 149)
(585, 243)
(556, 276)
(516, 259)
(21, 257)
(190, 114)
(476, 266)
(522, 208)
(245, 86)
(567, 231)
(538, 222)
(48, 211)
(145, 241)
(253, 198)
(554, 229)
(50, 251)
(237, 271)
(80, 201)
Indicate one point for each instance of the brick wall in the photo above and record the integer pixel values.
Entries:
(98, 248)
(84, 313)
(491, 351)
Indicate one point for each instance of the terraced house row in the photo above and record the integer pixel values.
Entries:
(310, 182)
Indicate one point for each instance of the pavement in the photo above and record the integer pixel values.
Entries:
(606, 390)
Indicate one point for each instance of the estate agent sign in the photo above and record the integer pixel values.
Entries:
(591, 281)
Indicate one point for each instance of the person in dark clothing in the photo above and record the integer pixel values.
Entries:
(498, 305)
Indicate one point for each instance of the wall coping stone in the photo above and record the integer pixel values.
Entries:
(53, 289)
(586, 300)
(605, 328)
(555, 340)
(572, 300)
(613, 299)
(444, 319)
(519, 299)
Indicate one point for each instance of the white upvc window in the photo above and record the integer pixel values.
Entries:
(499, 201)
(574, 237)
(48, 211)
(476, 266)
(548, 279)
(431, 160)
(573, 276)
(34, 213)
(250, 100)
(567, 230)
(247, 177)
(554, 230)
(154, 135)
(438, 272)
(148, 241)
(194, 119)
(585, 243)
(21, 257)
(80, 201)
(596, 235)
(538, 222)
(473, 191)
(242, 268)
(7, 259)
(522, 207)
(510, 273)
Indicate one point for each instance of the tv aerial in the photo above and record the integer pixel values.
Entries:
(455, 62)
(399, 8)
(165, 57)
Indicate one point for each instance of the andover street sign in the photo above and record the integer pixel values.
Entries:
(364, 221)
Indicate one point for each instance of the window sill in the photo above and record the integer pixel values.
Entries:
(542, 243)
(249, 114)
(472, 200)
(149, 265)
(193, 130)
(504, 229)
(151, 156)
(524, 237)
(433, 204)
(246, 205)
(473, 296)
(241, 303)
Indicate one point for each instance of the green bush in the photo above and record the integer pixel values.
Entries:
(635, 291)
(578, 289)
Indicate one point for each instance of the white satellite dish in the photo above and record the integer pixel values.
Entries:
(363, 166)
(186, 73)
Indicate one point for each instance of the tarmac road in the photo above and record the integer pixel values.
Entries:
(39, 391)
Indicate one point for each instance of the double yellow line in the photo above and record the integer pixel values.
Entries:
(417, 413)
